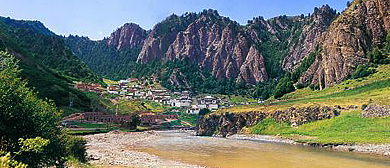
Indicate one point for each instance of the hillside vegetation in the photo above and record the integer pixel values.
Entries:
(349, 127)
(46, 62)
(29, 130)
(371, 89)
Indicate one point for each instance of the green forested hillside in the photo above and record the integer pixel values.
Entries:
(102, 59)
(46, 62)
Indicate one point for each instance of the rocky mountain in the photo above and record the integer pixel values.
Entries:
(321, 48)
(349, 38)
(128, 36)
(309, 37)
(230, 50)
(213, 42)
(110, 57)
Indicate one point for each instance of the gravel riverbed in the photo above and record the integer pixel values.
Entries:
(116, 149)
(119, 149)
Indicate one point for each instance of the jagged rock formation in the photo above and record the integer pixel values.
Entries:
(356, 31)
(214, 42)
(110, 57)
(226, 124)
(128, 36)
(229, 50)
(310, 37)
(260, 50)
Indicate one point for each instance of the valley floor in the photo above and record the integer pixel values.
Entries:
(119, 149)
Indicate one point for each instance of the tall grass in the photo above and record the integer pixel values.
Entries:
(349, 127)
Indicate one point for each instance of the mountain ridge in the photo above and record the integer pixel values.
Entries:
(262, 51)
(46, 62)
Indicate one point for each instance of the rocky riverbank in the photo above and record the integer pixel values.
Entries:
(229, 124)
(117, 149)
(226, 124)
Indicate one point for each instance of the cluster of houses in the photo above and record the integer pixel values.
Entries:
(133, 89)
(89, 87)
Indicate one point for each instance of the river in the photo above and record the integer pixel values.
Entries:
(234, 153)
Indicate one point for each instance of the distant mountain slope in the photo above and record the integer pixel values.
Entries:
(322, 48)
(111, 57)
(46, 61)
(252, 53)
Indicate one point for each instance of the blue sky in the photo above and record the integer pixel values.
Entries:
(97, 18)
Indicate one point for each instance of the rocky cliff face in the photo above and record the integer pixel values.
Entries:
(356, 31)
(215, 43)
(128, 36)
(231, 123)
(310, 37)
(262, 49)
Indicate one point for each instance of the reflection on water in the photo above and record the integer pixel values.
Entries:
(229, 153)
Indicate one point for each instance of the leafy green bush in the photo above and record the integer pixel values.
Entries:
(304, 65)
(75, 146)
(377, 56)
(7, 162)
(362, 71)
(284, 86)
(24, 115)
(314, 86)
(301, 85)
(204, 111)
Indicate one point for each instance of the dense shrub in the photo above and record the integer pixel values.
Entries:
(27, 122)
(204, 111)
(301, 85)
(75, 146)
(314, 86)
(362, 71)
(284, 86)
(133, 123)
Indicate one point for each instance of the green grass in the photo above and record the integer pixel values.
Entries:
(87, 132)
(270, 127)
(91, 125)
(109, 82)
(75, 163)
(103, 130)
(188, 119)
(175, 122)
(236, 99)
(374, 89)
(348, 128)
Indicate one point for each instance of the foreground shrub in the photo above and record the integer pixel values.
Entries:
(29, 130)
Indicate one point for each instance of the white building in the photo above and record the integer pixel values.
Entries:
(209, 102)
(180, 102)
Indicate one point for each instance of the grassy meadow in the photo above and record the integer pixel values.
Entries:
(348, 128)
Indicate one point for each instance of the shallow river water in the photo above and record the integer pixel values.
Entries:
(232, 153)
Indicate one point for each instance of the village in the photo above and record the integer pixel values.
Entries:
(133, 89)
